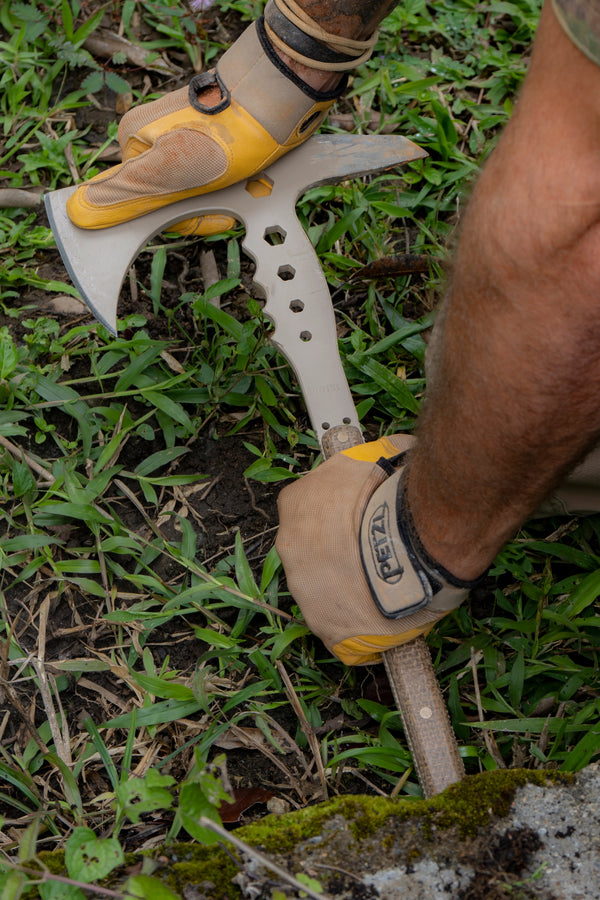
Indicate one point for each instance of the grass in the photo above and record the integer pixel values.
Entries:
(142, 658)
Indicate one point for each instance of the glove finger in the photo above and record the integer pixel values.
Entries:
(179, 163)
(318, 542)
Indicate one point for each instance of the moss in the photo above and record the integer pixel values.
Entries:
(470, 803)
(217, 868)
(53, 860)
(467, 805)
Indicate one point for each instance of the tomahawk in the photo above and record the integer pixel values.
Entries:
(299, 304)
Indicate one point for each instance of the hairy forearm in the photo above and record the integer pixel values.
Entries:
(513, 402)
(353, 18)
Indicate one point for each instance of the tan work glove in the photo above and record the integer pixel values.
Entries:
(352, 559)
(176, 147)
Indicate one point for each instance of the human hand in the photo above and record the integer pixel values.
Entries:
(353, 562)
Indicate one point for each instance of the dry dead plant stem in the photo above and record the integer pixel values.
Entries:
(60, 735)
(249, 741)
(306, 726)
(47, 878)
(22, 456)
(205, 822)
(8, 695)
(490, 743)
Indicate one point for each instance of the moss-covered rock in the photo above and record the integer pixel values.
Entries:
(356, 832)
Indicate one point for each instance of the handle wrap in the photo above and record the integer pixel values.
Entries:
(424, 715)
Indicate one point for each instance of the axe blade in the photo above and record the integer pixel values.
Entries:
(98, 260)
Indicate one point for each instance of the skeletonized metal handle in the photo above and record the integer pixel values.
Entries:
(414, 684)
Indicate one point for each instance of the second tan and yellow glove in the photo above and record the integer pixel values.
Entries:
(353, 561)
(177, 147)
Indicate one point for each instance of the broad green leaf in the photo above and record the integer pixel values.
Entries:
(145, 887)
(584, 595)
(159, 459)
(271, 566)
(140, 795)
(283, 640)
(174, 410)
(28, 841)
(157, 714)
(387, 380)
(89, 858)
(203, 308)
(8, 354)
(13, 886)
(243, 572)
(29, 542)
(193, 804)
(137, 367)
(215, 639)
(59, 890)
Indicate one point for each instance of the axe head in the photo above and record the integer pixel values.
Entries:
(98, 260)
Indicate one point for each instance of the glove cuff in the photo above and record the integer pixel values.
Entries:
(402, 576)
(252, 74)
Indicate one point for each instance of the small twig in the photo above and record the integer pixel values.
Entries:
(262, 748)
(47, 876)
(11, 699)
(15, 198)
(305, 725)
(22, 456)
(205, 822)
(400, 783)
(253, 502)
(133, 288)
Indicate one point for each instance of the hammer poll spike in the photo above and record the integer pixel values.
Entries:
(298, 303)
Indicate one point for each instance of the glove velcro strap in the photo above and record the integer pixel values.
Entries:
(292, 31)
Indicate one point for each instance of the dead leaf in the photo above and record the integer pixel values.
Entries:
(242, 738)
(244, 798)
(173, 364)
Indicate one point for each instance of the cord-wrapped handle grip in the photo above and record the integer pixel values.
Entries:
(427, 726)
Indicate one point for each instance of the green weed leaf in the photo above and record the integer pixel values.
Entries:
(145, 887)
(89, 858)
(140, 795)
(8, 354)
(59, 890)
(243, 572)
